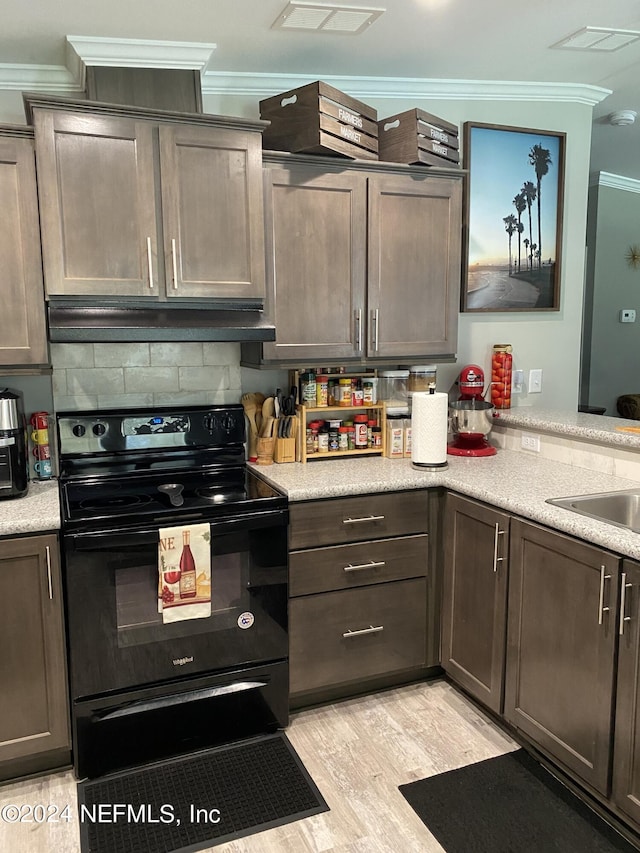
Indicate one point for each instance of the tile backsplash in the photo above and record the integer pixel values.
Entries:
(120, 375)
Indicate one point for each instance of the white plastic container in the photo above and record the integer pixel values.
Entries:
(392, 388)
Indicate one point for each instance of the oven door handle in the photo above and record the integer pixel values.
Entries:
(179, 698)
(108, 540)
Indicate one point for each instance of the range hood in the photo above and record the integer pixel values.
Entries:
(76, 321)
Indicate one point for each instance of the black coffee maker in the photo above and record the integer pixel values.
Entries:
(14, 479)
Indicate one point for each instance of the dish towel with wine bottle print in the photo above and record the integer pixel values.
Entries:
(184, 572)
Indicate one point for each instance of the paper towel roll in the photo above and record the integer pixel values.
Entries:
(429, 413)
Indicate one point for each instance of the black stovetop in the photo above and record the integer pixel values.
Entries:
(164, 466)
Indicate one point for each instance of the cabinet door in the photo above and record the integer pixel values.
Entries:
(626, 756)
(97, 205)
(476, 545)
(212, 212)
(23, 333)
(414, 265)
(33, 686)
(561, 641)
(316, 254)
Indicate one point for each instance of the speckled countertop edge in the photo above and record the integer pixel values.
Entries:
(594, 428)
(35, 512)
(510, 480)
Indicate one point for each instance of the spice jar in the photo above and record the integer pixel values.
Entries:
(360, 424)
(344, 391)
(323, 440)
(343, 438)
(501, 373)
(376, 435)
(370, 390)
(322, 390)
(308, 388)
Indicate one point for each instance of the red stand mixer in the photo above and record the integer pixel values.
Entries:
(471, 416)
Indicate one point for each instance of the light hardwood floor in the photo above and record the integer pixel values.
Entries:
(357, 752)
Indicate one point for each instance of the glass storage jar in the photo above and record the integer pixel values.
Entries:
(392, 388)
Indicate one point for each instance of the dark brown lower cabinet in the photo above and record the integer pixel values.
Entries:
(34, 716)
(474, 603)
(561, 648)
(626, 754)
(360, 594)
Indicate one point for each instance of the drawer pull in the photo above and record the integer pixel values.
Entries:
(370, 630)
(360, 520)
(149, 263)
(601, 608)
(370, 565)
(623, 603)
(48, 556)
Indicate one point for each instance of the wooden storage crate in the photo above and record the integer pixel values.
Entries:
(318, 119)
(416, 137)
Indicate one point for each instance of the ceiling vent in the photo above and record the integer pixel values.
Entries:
(598, 39)
(326, 17)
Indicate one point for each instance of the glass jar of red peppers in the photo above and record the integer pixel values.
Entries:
(501, 370)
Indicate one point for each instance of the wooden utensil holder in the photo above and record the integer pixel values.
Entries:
(266, 448)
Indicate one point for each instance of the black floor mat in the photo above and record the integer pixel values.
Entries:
(199, 800)
(509, 804)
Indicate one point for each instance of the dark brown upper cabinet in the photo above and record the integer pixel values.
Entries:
(137, 203)
(23, 333)
(363, 261)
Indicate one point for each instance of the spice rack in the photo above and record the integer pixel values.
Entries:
(305, 411)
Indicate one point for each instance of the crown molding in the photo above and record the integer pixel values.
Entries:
(138, 53)
(616, 182)
(415, 88)
(39, 78)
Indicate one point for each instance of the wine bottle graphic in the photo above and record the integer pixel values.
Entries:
(187, 568)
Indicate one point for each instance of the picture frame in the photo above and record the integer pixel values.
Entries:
(512, 226)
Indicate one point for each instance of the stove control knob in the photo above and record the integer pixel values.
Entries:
(99, 429)
(78, 430)
(228, 423)
(210, 423)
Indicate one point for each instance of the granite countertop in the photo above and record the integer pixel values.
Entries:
(619, 432)
(35, 512)
(516, 482)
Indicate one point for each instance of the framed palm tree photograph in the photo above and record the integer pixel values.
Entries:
(512, 225)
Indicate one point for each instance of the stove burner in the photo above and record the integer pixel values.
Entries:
(174, 491)
(217, 495)
(115, 502)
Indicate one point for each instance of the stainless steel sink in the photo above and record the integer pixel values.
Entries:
(619, 508)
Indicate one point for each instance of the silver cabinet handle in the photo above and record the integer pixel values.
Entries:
(359, 520)
(623, 602)
(375, 319)
(601, 608)
(359, 329)
(370, 630)
(370, 565)
(497, 559)
(174, 259)
(48, 553)
(150, 262)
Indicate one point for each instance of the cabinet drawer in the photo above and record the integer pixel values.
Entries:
(353, 519)
(325, 646)
(347, 566)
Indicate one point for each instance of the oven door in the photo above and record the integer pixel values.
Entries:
(117, 638)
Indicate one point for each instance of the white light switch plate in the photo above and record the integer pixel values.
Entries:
(535, 381)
